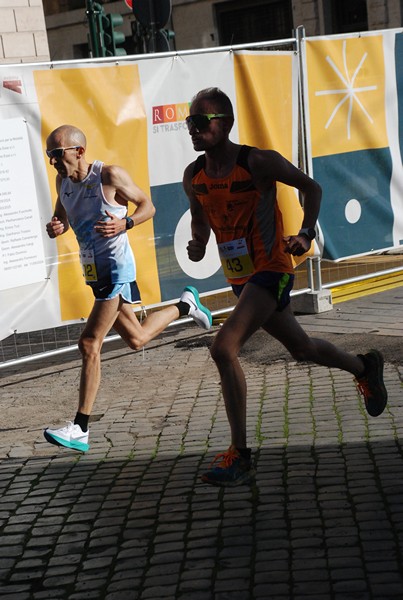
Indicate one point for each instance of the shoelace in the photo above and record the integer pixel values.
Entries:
(363, 388)
(69, 425)
(227, 457)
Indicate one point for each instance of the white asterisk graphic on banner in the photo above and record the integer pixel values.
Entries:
(349, 92)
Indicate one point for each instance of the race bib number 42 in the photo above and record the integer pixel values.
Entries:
(88, 264)
(235, 259)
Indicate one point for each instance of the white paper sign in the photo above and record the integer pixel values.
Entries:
(22, 259)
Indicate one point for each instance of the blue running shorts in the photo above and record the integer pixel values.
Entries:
(106, 291)
(279, 284)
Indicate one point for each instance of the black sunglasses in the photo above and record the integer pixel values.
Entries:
(201, 122)
(58, 152)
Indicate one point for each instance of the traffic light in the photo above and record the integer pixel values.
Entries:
(95, 13)
(113, 38)
(170, 34)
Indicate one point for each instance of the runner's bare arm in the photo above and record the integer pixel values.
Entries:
(120, 189)
(59, 223)
(199, 224)
(269, 166)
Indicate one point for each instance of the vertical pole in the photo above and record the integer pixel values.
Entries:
(314, 277)
(153, 29)
(93, 31)
(318, 274)
(309, 270)
(301, 101)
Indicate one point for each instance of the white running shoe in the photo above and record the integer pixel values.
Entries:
(71, 436)
(199, 313)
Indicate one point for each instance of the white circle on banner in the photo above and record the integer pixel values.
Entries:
(198, 270)
(352, 211)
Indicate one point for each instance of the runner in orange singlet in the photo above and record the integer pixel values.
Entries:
(232, 191)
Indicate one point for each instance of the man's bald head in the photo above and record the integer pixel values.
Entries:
(67, 135)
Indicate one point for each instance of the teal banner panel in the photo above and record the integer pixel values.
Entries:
(356, 216)
(171, 205)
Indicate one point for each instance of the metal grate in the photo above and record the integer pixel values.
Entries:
(20, 345)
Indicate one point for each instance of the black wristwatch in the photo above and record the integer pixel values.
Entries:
(129, 223)
(309, 232)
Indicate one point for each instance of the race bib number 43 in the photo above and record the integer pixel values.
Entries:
(235, 259)
(88, 264)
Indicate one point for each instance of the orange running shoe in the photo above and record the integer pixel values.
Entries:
(371, 385)
(229, 469)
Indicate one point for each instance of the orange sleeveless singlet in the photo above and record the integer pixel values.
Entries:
(247, 224)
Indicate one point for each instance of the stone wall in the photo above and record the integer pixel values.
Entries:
(23, 36)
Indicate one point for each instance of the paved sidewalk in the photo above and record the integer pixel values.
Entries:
(130, 520)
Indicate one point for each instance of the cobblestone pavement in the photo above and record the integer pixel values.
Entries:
(130, 520)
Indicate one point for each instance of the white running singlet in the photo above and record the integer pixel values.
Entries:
(106, 260)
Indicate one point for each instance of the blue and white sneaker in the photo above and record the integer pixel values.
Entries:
(70, 436)
(199, 313)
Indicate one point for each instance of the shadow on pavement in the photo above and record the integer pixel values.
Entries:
(320, 521)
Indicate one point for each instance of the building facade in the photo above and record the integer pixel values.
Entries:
(218, 23)
(23, 35)
(223, 22)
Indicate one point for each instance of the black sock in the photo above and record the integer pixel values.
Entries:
(82, 420)
(183, 308)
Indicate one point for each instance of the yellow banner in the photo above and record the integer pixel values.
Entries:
(346, 86)
(264, 94)
(106, 103)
